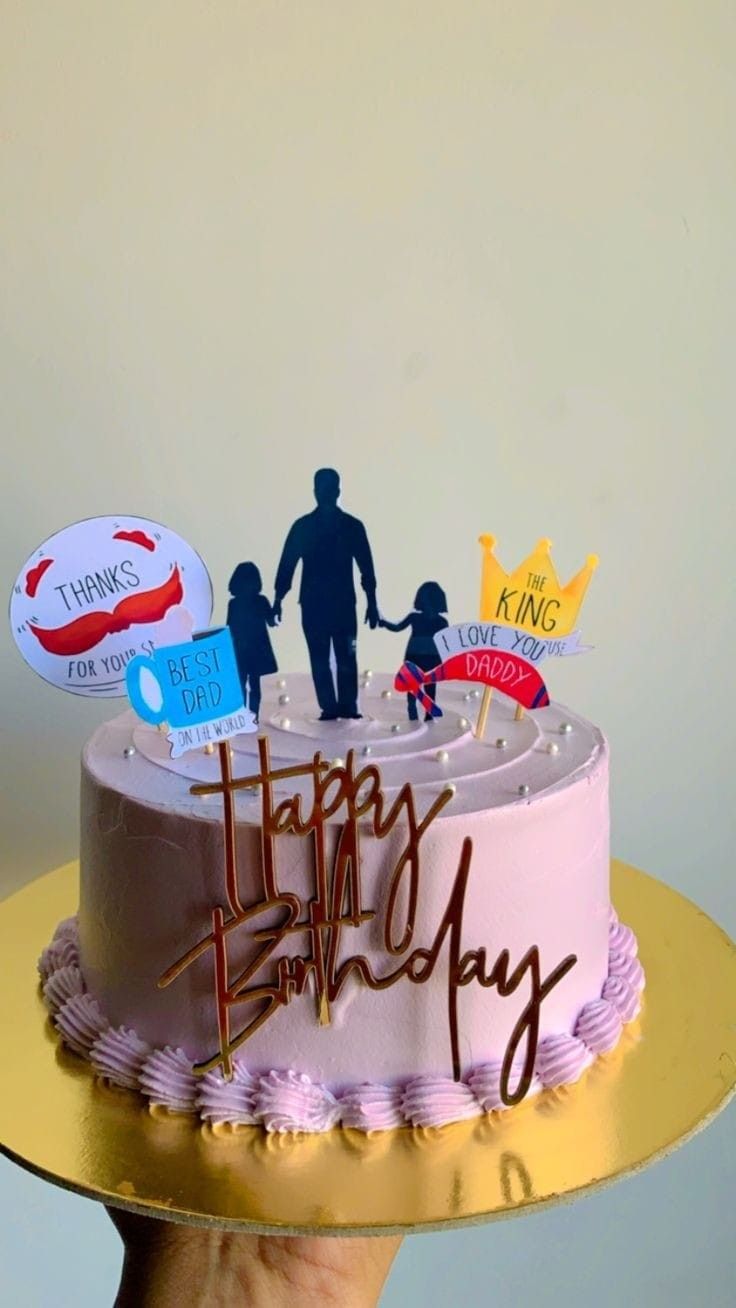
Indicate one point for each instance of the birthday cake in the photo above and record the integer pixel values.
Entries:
(308, 903)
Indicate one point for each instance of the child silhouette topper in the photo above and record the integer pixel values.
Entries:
(426, 619)
(249, 615)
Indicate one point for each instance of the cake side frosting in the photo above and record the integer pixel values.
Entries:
(152, 860)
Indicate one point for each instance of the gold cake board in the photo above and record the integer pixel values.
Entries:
(674, 1069)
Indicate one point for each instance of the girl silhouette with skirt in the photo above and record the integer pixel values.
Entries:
(425, 621)
(249, 615)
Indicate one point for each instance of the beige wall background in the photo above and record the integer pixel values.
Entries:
(480, 257)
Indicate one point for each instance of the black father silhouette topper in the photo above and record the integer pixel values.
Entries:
(329, 542)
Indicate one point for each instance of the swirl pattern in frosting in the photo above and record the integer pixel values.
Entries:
(118, 1056)
(485, 1082)
(291, 1101)
(68, 928)
(79, 1022)
(624, 997)
(61, 985)
(167, 1080)
(231, 1101)
(621, 939)
(628, 967)
(62, 952)
(562, 1059)
(437, 1100)
(599, 1026)
(371, 1107)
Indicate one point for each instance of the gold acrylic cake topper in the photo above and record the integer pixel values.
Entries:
(337, 904)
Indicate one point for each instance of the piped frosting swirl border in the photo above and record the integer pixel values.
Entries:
(289, 1101)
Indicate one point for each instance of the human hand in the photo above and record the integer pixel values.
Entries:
(168, 1265)
(276, 610)
(371, 615)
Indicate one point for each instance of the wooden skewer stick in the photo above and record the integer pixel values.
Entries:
(485, 704)
(519, 712)
(487, 544)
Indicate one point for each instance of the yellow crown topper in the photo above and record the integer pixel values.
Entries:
(531, 597)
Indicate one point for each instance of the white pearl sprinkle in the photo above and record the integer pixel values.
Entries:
(366, 750)
(337, 763)
(442, 756)
(552, 747)
(129, 751)
(385, 694)
(365, 684)
(463, 723)
(285, 724)
(475, 693)
(396, 728)
(209, 748)
(468, 696)
(523, 788)
(367, 674)
(284, 699)
(565, 728)
(451, 787)
(501, 743)
(281, 683)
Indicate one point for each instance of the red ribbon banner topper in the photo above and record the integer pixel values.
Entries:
(507, 672)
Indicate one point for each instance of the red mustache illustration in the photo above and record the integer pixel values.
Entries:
(84, 633)
(34, 575)
(137, 538)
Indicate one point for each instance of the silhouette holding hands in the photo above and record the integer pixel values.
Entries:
(249, 615)
(329, 543)
(426, 619)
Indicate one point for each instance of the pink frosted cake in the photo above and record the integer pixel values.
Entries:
(437, 943)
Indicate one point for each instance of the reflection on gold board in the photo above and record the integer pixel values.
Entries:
(673, 1070)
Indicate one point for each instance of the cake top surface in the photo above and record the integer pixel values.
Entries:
(519, 761)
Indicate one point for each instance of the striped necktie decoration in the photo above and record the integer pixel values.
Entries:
(411, 680)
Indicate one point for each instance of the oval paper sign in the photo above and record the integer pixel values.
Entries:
(101, 591)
